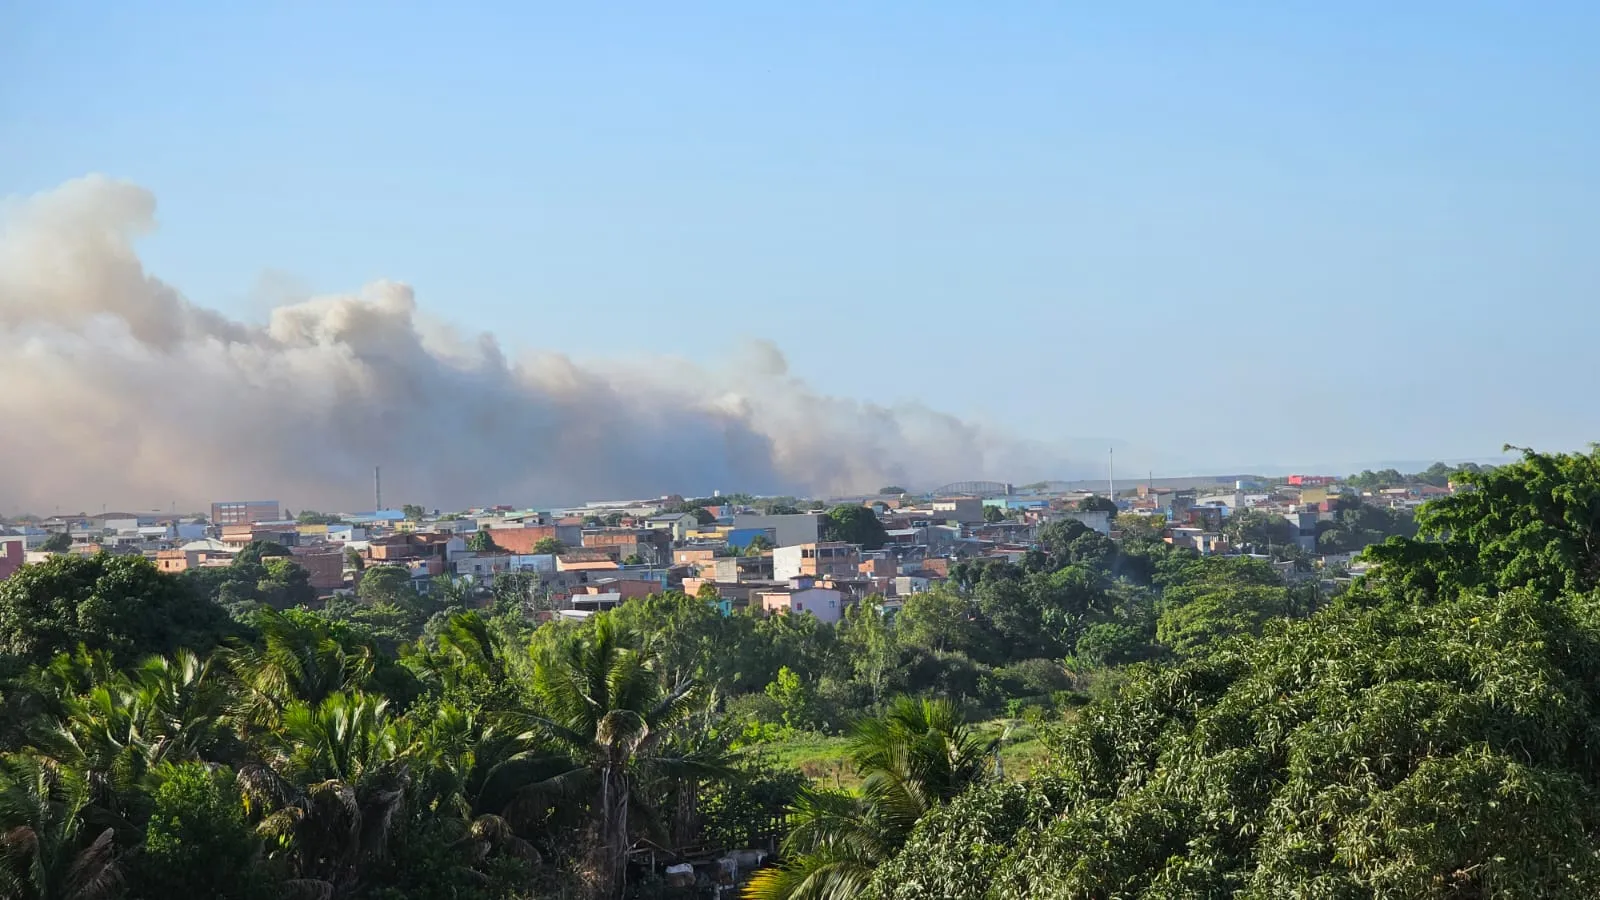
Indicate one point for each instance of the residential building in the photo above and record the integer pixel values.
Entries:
(1095, 519)
(675, 524)
(739, 569)
(816, 560)
(693, 556)
(905, 585)
(522, 538)
(245, 512)
(787, 530)
(966, 510)
(585, 560)
(13, 553)
(324, 564)
(241, 535)
(802, 597)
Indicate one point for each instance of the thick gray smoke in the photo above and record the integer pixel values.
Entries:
(115, 389)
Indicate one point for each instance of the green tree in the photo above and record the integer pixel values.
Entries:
(335, 786)
(60, 542)
(413, 512)
(48, 850)
(855, 525)
(757, 546)
(385, 585)
(482, 542)
(870, 644)
(1403, 750)
(1097, 503)
(1258, 530)
(1204, 618)
(918, 755)
(938, 619)
(197, 842)
(1532, 523)
(796, 699)
(891, 489)
(993, 514)
(603, 700)
(118, 604)
(549, 547)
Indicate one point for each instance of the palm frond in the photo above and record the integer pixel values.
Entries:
(95, 874)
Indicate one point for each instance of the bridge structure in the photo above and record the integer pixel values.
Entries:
(974, 489)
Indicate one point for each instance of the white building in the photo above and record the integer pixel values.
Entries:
(824, 603)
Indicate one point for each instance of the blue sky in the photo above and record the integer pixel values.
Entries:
(1231, 235)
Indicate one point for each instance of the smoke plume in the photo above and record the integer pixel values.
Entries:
(116, 389)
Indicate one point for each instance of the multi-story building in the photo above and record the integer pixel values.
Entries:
(245, 512)
(825, 559)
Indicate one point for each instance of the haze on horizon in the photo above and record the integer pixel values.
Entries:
(782, 249)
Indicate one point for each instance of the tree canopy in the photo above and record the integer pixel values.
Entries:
(854, 525)
(482, 541)
(119, 605)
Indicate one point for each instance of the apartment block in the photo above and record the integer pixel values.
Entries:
(245, 512)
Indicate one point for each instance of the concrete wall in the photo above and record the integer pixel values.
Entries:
(803, 528)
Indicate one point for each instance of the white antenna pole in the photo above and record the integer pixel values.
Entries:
(1111, 472)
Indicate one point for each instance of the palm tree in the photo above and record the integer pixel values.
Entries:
(46, 850)
(472, 769)
(334, 790)
(919, 754)
(299, 657)
(183, 704)
(603, 700)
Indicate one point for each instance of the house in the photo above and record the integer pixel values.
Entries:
(523, 538)
(240, 536)
(802, 597)
(815, 560)
(906, 585)
(966, 510)
(1094, 519)
(676, 524)
(624, 588)
(585, 560)
(324, 565)
(693, 556)
(13, 553)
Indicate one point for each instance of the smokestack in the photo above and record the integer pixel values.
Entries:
(377, 488)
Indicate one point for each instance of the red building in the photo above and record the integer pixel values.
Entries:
(1311, 480)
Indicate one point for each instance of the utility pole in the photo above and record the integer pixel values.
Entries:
(1111, 472)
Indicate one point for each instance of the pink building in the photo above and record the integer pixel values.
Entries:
(12, 549)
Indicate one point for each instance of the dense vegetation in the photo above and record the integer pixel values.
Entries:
(1213, 728)
(1430, 734)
